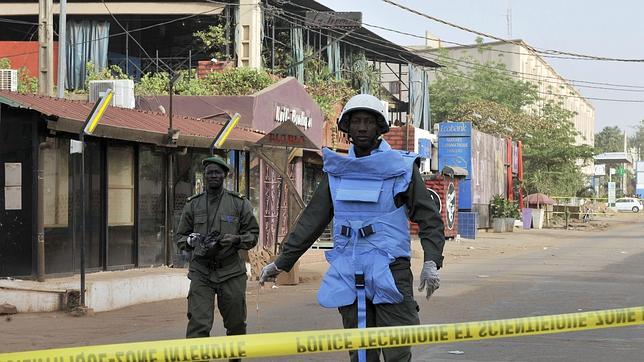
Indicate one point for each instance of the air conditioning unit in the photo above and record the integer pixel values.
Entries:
(9, 79)
(123, 90)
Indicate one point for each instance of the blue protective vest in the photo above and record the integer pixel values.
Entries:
(369, 231)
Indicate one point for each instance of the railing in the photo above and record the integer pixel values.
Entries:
(569, 214)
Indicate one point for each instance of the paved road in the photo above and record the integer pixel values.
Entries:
(581, 271)
(494, 277)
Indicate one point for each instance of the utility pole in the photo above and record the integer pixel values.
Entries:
(45, 47)
(173, 136)
(62, 48)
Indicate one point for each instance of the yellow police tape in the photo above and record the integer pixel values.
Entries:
(291, 343)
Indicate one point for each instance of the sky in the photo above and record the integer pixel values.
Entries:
(600, 28)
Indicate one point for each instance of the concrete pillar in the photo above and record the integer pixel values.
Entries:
(45, 48)
(249, 23)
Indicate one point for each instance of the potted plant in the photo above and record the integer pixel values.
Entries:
(497, 213)
(511, 213)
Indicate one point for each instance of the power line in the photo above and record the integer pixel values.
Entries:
(293, 21)
(546, 51)
(133, 30)
(12, 21)
(295, 17)
(420, 36)
(556, 95)
(512, 73)
(384, 42)
(530, 76)
(131, 37)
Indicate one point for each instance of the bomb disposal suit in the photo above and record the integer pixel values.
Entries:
(370, 198)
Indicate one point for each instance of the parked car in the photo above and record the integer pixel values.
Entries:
(628, 204)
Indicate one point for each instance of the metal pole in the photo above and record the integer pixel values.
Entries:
(82, 212)
(170, 206)
(157, 61)
(127, 49)
(279, 212)
(227, 14)
(400, 91)
(41, 213)
(170, 191)
(189, 63)
(273, 46)
(62, 48)
(170, 110)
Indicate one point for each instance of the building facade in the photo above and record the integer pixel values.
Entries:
(526, 65)
(128, 217)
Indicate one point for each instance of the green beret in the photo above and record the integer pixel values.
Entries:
(218, 160)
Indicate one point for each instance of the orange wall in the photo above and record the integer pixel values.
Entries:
(25, 54)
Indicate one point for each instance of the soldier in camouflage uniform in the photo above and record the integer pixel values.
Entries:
(215, 226)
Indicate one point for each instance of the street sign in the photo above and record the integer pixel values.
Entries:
(620, 171)
(611, 194)
(335, 19)
(600, 170)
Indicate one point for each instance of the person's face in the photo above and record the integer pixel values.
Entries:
(364, 130)
(214, 175)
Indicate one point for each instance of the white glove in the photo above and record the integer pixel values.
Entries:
(193, 238)
(268, 274)
(429, 278)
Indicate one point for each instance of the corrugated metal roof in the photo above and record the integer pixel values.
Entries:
(128, 124)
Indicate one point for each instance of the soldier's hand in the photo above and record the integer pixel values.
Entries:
(228, 240)
(268, 274)
(193, 239)
(429, 278)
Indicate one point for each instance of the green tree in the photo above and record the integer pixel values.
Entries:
(610, 139)
(479, 82)
(637, 140)
(499, 104)
(212, 40)
(550, 155)
(324, 88)
(233, 81)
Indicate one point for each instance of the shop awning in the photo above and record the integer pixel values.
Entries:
(128, 124)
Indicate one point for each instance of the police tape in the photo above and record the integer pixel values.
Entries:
(292, 343)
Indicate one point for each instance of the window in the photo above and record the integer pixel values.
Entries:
(59, 248)
(120, 184)
(56, 179)
(151, 207)
(120, 205)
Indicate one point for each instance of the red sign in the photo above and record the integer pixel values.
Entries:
(287, 135)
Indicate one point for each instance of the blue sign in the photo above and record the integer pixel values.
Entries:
(465, 194)
(455, 129)
(424, 148)
(455, 149)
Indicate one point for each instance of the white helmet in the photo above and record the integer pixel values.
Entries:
(364, 102)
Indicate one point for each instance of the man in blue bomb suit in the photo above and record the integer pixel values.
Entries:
(370, 196)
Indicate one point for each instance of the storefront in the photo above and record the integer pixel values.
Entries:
(265, 110)
(126, 184)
